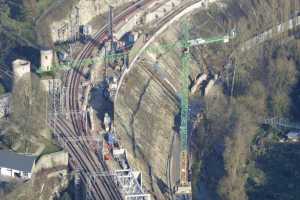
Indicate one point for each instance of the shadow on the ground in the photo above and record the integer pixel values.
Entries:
(281, 166)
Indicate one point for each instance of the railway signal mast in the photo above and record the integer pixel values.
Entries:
(184, 189)
(109, 46)
(111, 36)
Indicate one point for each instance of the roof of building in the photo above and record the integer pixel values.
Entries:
(4, 99)
(293, 135)
(12, 160)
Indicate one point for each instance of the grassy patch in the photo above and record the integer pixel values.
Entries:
(27, 146)
(50, 148)
(42, 5)
(46, 74)
(2, 89)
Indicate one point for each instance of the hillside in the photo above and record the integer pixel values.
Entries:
(235, 153)
(230, 142)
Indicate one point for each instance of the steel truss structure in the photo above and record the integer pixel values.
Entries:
(281, 122)
(128, 181)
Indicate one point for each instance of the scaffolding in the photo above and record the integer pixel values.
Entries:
(69, 31)
(281, 122)
(74, 22)
(56, 105)
(54, 102)
(128, 181)
(61, 32)
(56, 108)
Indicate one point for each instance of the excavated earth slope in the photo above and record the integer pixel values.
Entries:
(146, 109)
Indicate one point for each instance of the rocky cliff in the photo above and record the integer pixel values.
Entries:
(64, 17)
(146, 109)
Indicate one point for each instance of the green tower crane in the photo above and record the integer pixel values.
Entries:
(184, 187)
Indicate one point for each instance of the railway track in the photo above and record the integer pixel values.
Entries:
(162, 82)
(85, 158)
(80, 152)
(73, 80)
(103, 187)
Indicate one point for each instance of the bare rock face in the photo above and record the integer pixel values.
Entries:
(57, 159)
(146, 108)
(145, 120)
(80, 13)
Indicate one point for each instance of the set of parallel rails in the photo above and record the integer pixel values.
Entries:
(102, 187)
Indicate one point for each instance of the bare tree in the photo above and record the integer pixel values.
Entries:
(236, 153)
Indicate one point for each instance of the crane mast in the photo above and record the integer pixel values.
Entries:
(184, 119)
(184, 187)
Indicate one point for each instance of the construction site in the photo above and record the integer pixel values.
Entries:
(162, 99)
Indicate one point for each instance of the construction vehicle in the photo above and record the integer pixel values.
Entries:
(107, 122)
(111, 86)
(184, 188)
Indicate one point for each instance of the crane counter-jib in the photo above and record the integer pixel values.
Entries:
(202, 41)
